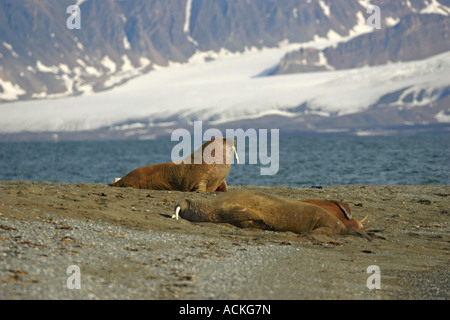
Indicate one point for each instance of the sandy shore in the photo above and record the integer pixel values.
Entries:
(128, 247)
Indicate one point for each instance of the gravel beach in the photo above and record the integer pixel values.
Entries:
(127, 246)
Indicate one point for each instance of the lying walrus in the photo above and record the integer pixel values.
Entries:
(249, 209)
(207, 176)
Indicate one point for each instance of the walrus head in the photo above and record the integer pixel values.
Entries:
(183, 205)
(353, 226)
(220, 151)
(186, 209)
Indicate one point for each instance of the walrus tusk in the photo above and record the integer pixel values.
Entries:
(364, 219)
(235, 154)
(177, 213)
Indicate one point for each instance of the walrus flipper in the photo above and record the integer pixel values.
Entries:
(344, 208)
(244, 218)
(223, 187)
(325, 230)
(256, 224)
(201, 186)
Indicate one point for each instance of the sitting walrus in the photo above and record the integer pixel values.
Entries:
(249, 209)
(207, 176)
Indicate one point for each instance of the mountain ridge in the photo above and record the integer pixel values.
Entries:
(119, 40)
(418, 37)
(44, 66)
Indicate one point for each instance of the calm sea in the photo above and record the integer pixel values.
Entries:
(303, 161)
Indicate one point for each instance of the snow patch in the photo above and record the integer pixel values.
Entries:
(31, 69)
(81, 63)
(43, 68)
(92, 71)
(323, 61)
(109, 64)
(64, 68)
(126, 72)
(334, 36)
(408, 3)
(7, 45)
(372, 133)
(85, 88)
(187, 20)
(40, 95)
(126, 43)
(144, 62)
(137, 125)
(192, 40)
(274, 112)
(434, 7)
(443, 117)
(10, 91)
(390, 21)
(365, 3)
(361, 26)
(69, 82)
(10, 48)
(127, 65)
(325, 8)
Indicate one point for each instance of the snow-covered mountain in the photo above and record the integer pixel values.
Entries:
(414, 37)
(139, 69)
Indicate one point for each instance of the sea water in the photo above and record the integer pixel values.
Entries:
(303, 161)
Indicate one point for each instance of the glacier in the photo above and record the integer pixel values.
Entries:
(224, 86)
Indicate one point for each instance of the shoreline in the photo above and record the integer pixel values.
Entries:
(128, 247)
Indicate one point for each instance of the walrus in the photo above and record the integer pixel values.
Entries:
(341, 211)
(187, 176)
(250, 209)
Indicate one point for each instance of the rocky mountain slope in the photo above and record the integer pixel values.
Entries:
(413, 37)
(41, 58)
(118, 40)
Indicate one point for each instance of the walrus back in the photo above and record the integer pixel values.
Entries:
(187, 176)
(140, 178)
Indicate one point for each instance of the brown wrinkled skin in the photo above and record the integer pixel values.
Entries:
(184, 177)
(340, 210)
(248, 209)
